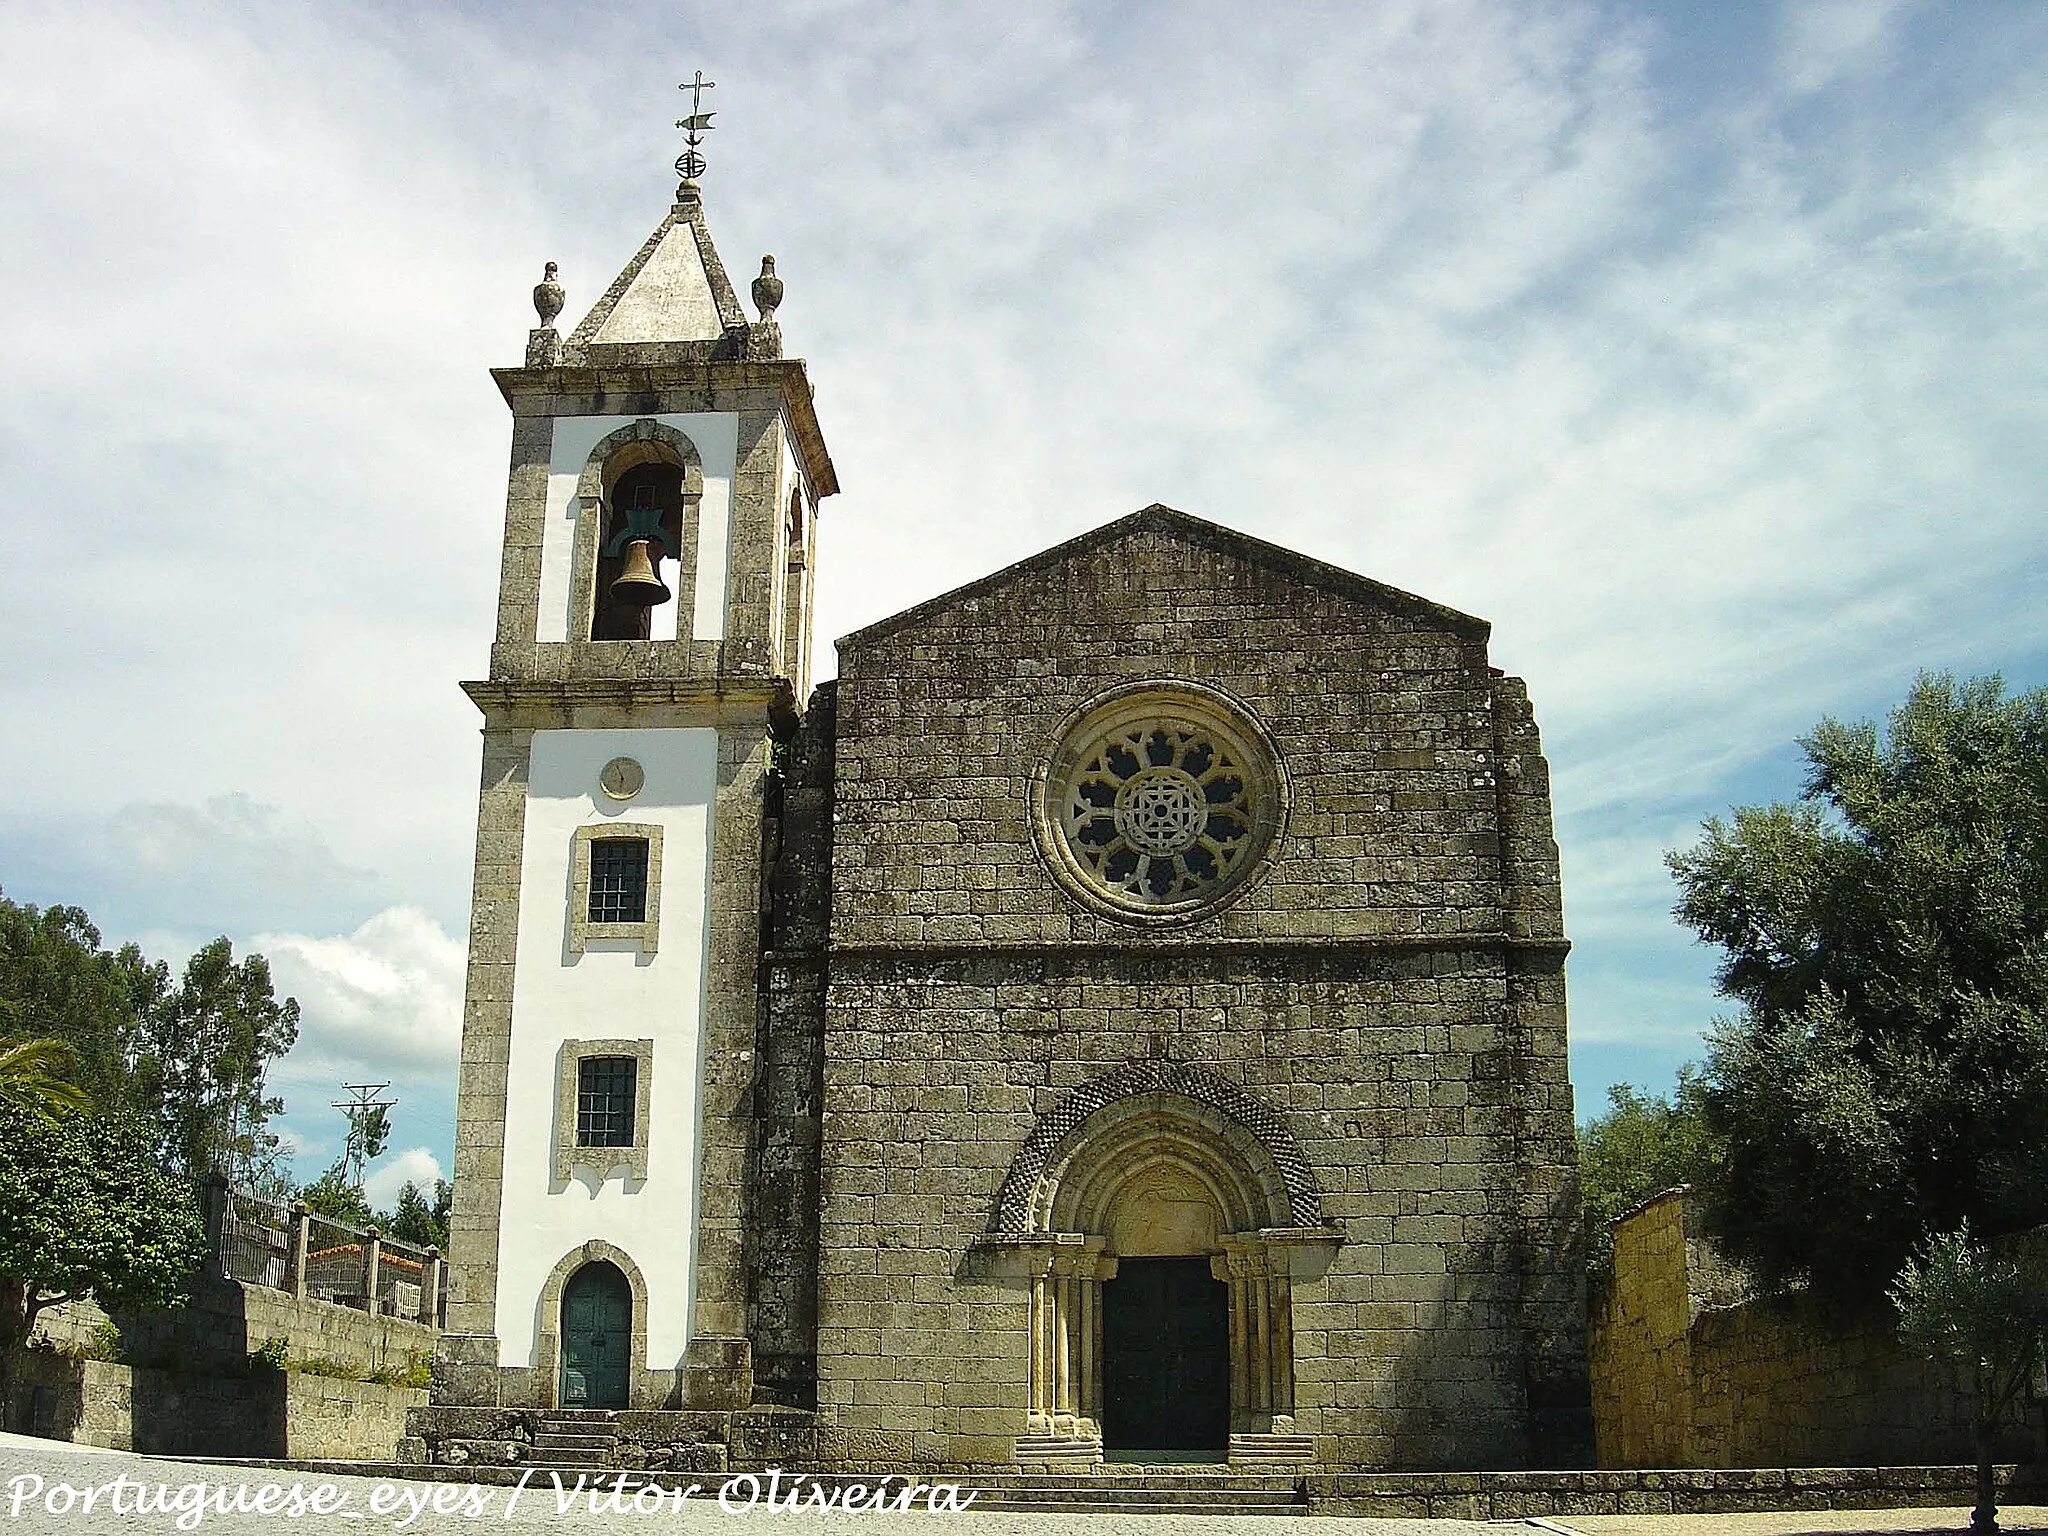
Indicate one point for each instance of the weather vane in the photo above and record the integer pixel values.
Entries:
(690, 164)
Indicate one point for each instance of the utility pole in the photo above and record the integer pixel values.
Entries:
(369, 1126)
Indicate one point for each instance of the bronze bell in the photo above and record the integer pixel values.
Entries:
(639, 584)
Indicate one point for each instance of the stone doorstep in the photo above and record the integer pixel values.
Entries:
(1272, 1450)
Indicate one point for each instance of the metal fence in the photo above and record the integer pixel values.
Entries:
(289, 1248)
(255, 1239)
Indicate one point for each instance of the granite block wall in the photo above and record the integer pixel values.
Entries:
(1390, 985)
(1683, 1377)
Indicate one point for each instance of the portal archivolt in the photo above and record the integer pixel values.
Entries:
(1152, 1163)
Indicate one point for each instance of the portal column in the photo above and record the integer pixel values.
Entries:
(1261, 1333)
(1066, 1272)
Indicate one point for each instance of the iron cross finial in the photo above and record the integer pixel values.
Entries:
(690, 164)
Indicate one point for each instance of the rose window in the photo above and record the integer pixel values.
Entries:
(1159, 809)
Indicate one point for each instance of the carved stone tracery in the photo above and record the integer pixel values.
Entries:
(1158, 801)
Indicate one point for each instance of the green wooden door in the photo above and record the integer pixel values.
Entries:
(597, 1337)
(1166, 1359)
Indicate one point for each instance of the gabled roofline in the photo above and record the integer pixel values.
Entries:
(1228, 541)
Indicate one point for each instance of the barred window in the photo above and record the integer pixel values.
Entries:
(618, 880)
(605, 1089)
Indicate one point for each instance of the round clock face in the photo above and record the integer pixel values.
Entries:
(621, 778)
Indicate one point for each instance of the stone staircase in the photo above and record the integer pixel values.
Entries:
(1142, 1491)
(575, 1439)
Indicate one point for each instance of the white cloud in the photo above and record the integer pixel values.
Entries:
(1822, 40)
(382, 1004)
(386, 998)
(415, 1165)
(1999, 187)
(1723, 398)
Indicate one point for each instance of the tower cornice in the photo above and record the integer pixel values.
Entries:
(595, 705)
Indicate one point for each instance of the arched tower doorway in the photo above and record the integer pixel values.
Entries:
(1161, 1215)
(597, 1338)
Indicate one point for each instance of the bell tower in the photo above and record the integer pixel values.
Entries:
(652, 646)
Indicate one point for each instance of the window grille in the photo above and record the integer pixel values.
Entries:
(604, 1101)
(618, 880)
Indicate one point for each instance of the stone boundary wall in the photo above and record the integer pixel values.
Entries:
(178, 1413)
(1678, 1381)
(227, 1319)
(1521, 1495)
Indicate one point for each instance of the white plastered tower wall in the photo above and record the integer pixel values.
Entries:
(664, 369)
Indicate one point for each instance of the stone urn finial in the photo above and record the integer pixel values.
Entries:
(547, 297)
(767, 290)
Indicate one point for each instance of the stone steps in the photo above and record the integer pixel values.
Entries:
(1140, 1491)
(575, 1440)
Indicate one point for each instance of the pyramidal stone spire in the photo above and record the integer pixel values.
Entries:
(673, 302)
(674, 290)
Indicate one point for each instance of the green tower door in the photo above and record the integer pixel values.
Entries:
(1166, 1360)
(597, 1336)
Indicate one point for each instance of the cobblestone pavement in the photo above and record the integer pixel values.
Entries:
(1812, 1522)
(45, 1486)
(330, 1506)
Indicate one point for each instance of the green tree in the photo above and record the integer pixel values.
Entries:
(369, 1133)
(335, 1194)
(1887, 940)
(204, 1053)
(189, 1058)
(417, 1221)
(1986, 1317)
(36, 1074)
(85, 1210)
(57, 983)
(1643, 1145)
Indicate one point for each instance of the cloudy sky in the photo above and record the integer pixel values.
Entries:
(1700, 347)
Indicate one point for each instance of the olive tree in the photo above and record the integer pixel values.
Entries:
(1886, 940)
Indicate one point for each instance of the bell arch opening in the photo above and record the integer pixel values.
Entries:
(647, 499)
(637, 517)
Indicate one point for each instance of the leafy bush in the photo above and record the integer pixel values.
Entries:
(87, 1210)
(416, 1371)
(327, 1365)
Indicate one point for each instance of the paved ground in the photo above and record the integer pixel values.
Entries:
(46, 1486)
(1844, 1522)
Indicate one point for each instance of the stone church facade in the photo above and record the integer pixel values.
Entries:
(1122, 1016)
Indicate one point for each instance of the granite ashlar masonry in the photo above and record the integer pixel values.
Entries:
(1692, 1370)
(1391, 988)
(1122, 1015)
